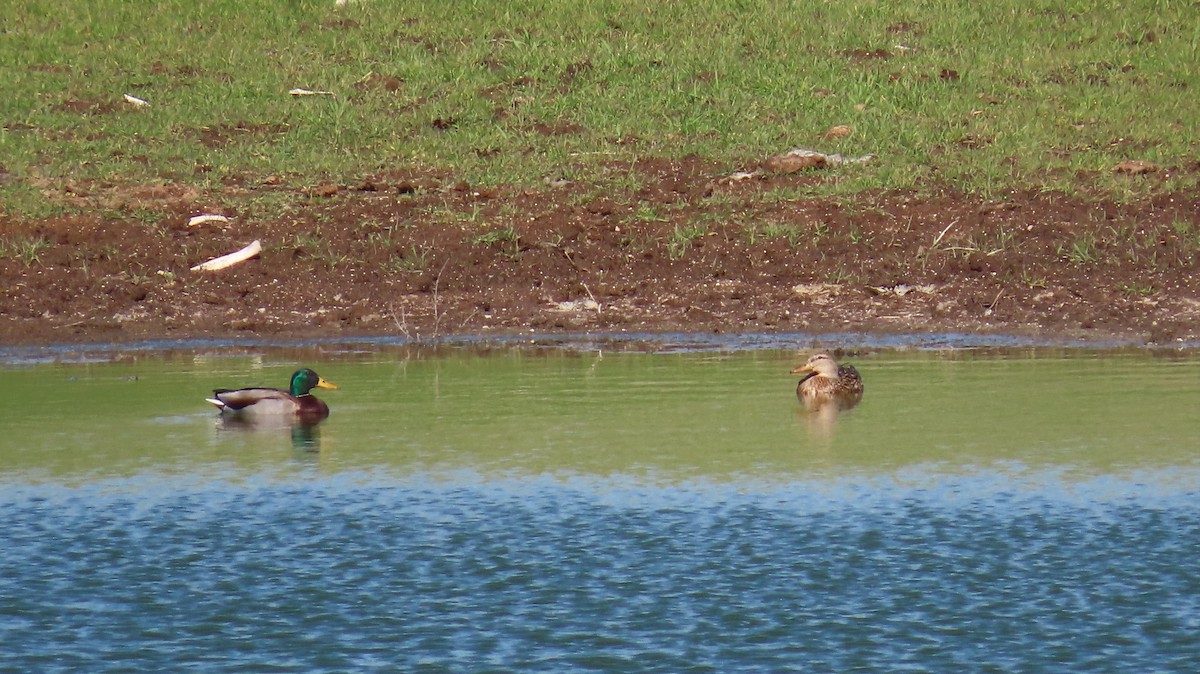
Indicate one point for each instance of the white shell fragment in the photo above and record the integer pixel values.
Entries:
(737, 176)
(309, 92)
(573, 306)
(831, 159)
(231, 259)
(207, 217)
(798, 159)
(135, 101)
(902, 289)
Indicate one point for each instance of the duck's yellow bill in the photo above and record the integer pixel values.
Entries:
(321, 383)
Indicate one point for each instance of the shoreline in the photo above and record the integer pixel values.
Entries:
(1049, 268)
(658, 342)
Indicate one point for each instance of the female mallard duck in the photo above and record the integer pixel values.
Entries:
(258, 402)
(828, 382)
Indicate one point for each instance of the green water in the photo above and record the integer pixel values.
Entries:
(672, 417)
(548, 510)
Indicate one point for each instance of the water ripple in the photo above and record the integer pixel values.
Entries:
(368, 574)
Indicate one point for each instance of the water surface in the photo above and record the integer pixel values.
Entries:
(551, 509)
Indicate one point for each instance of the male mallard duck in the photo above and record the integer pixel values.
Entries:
(259, 402)
(828, 382)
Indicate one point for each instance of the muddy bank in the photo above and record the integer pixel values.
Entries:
(423, 255)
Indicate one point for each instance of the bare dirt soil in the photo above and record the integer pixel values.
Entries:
(423, 255)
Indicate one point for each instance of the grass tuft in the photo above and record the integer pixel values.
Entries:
(506, 238)
(682, 238)
(1081, 250)
(26, 250)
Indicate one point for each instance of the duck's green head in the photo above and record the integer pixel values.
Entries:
(306, 380)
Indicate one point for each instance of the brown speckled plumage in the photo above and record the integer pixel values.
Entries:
(828, 382)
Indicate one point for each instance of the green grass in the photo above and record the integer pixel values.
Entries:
(984, 97)
(1082, 250)
(506, 239)
(773, 230)
(681, 239)
(1137, 289)
(414, 259)
(26, 250)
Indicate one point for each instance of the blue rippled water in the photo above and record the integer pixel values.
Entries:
(969, 572)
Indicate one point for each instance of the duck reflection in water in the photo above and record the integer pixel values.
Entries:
(305, 436)
(827, 389)
(260, 407)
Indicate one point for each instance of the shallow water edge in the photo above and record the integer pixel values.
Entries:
(651, 342)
